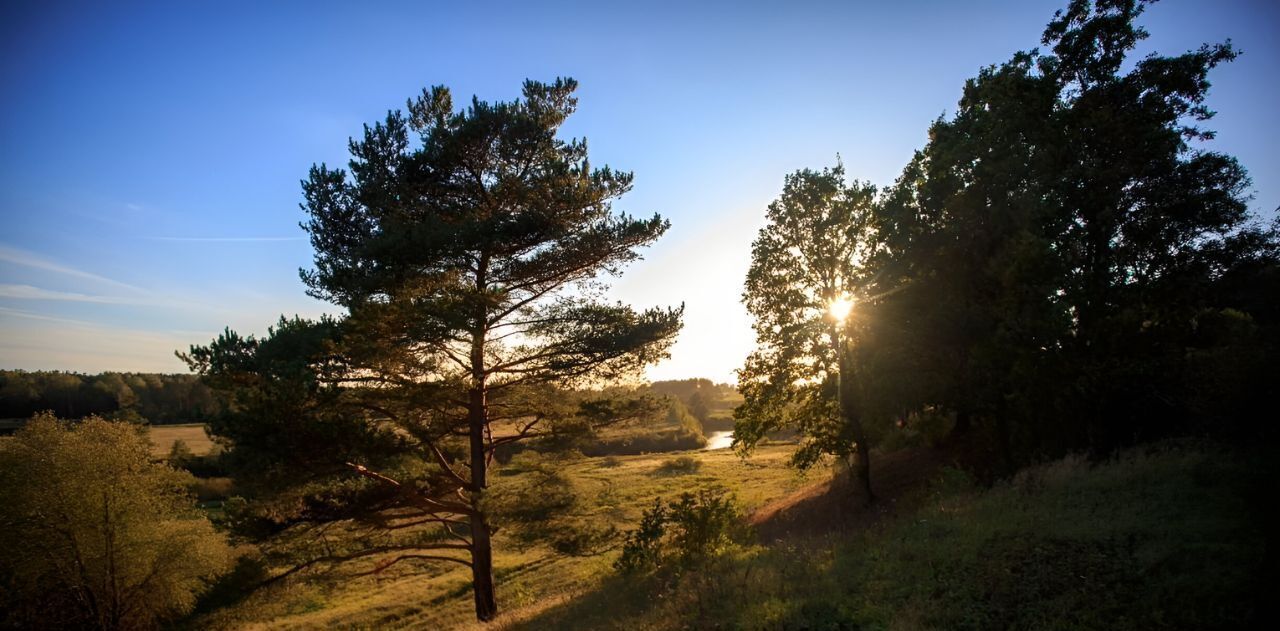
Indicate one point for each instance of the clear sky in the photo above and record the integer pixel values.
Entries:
(150, 154)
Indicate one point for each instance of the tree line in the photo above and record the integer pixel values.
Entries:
(156, 398)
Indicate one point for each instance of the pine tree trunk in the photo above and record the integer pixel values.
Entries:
(481, 542)
(482, 569)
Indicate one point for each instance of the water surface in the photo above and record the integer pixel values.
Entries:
(719, 440)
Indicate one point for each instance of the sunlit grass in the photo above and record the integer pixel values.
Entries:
(163, 437)
(616, 489)
(1158, 538)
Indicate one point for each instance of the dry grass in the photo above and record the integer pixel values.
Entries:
(163, 437)
(435, 596)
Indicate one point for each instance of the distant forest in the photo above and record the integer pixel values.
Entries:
(177, 398)
(154, 398)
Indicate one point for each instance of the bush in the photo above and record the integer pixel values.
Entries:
(652, 441)
(682, 533)
(180, 454)
(212, 489)
(680, 465)
(94, 534)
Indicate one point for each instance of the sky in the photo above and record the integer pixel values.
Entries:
(150, 154)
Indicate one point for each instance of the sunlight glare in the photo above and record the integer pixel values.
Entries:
(840, 307)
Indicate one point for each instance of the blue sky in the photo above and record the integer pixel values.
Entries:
(151, 153)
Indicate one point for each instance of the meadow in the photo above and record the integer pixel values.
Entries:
(614, 491)
(164, 436)
(1163, 536)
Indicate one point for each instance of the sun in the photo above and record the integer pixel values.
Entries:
(840, 307)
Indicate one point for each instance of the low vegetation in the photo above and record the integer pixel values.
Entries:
(1166, 536)
(95, 533)
(599, 494)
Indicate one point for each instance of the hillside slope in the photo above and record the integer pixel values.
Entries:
(1170, 537)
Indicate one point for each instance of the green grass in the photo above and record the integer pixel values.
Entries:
(1165, 538)
(614, 490)
(1159, 538)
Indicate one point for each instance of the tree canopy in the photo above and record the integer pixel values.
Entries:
(471, 267)
(1052, 251)
(1061, 265)
(810, 257)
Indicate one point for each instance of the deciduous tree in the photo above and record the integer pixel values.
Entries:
(808, 267)
(94, 533)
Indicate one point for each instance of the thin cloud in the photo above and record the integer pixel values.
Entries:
(18, 313)
(28, 292)
(28, 259)
(42, 342)
(226, 239)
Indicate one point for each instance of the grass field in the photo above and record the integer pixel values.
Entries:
(163, 437)
(617, 490)
(1166, 537)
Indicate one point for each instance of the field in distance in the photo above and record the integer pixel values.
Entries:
(163, 437)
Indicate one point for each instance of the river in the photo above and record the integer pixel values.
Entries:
(719, 440)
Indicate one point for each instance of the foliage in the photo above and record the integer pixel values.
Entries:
(680, 465)
(143, 396)
(678, 415)
(179, 455)
(471, 269)
(1051, 255)
(699, 408)
(94, 534)
(812, 253)
(682, 533)
(650, 440)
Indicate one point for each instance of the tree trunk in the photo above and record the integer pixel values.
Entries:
(481, 543)
(848, 410)
(964, 420)
(864, 461)
(482, 569)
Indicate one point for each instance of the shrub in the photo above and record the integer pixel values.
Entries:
(94, 534)
(180, 454)
(212, 489)
(682, 533)
(680, 465)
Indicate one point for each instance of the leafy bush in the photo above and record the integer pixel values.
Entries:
(683, 532)
(179, 454)
(94, 534)
(651, 441)
(680, 465)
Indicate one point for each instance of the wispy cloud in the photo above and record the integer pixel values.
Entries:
(18, 313)
(37, 342)
(27, 292)
(227, 239)
(28, 259)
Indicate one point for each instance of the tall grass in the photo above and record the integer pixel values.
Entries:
(1166, 537)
